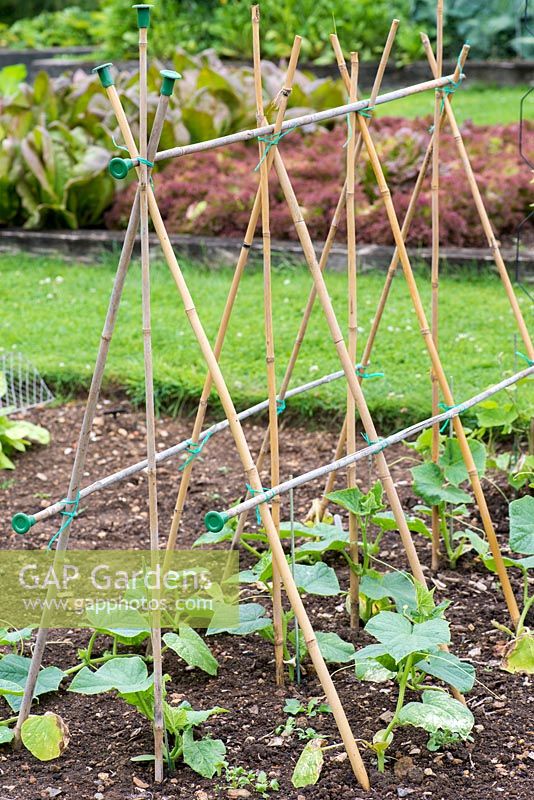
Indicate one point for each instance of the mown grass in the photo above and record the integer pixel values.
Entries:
(53, 312)
(483, 105)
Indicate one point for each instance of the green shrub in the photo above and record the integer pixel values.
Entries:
(69, 28)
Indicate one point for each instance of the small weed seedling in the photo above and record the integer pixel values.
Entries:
(294, 708)
(256, 780)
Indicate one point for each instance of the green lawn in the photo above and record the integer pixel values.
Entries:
(484, 105)
(53, 312)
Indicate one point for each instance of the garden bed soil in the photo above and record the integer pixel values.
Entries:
(105, 733)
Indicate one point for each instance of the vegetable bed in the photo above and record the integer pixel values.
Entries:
(105, 733)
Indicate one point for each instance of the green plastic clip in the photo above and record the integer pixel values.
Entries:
(143, 15)
(21, 523)
(120, 167)
(104, 73)
(169, 77)
(215, 521)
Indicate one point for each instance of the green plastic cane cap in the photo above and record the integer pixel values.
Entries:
(215, 521)
(21, 523)
(143, 15)
(169, 77)
(104, 73)
(119, 167)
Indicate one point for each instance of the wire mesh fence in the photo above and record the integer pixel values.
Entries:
(21, 386)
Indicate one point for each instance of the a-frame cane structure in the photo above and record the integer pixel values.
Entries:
(142, 158)
(145, 197)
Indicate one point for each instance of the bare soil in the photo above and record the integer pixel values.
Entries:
(105, 734)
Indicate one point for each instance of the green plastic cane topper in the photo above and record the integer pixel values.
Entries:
(143, 15)
(21, 523)
(169, 77)
(120, 167)
(104, 73)
(215, 521)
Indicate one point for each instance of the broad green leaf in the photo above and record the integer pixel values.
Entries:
(178, 718)
(402, 637)
(430, 484)
(45, 737)
(308, 768)
(6, 735)
(7, 687)
(212, 537)
(520, 655)
(14, 637)
(369, 669)
(492, 414)
(318, 579)
(355, 500)
(453, 463)
(438, 711)
(396, 585)
(387, 522)
(204, 756)
(128, 626)
(522, 525)
(15, 669)
(251, 618)
(448, 667)
(334, 649)
(192, 648)
(336, 541)
(127, 675)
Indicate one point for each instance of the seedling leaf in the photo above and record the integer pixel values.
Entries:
(15, 669)
(430, 484)
(319, 579)
(448, 667)
(334, 649)
(45, 737)
(251, 618)
(192, 649)
(522, 525)
(205, 756)
(401, 637)
(127, 675)
(438, 711)
(453, 463)
(308, 768)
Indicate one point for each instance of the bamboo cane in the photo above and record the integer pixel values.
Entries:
(88, 417)
(298, 122)
(232, 293)
(23, 522)
(320, 509)
(493, 244)
(434, 193)
(354, 585)
(249, 467)
(438, 368)
(322, 265)
(278, 625)
(215, 520)
(149, 398)
(347, 364)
